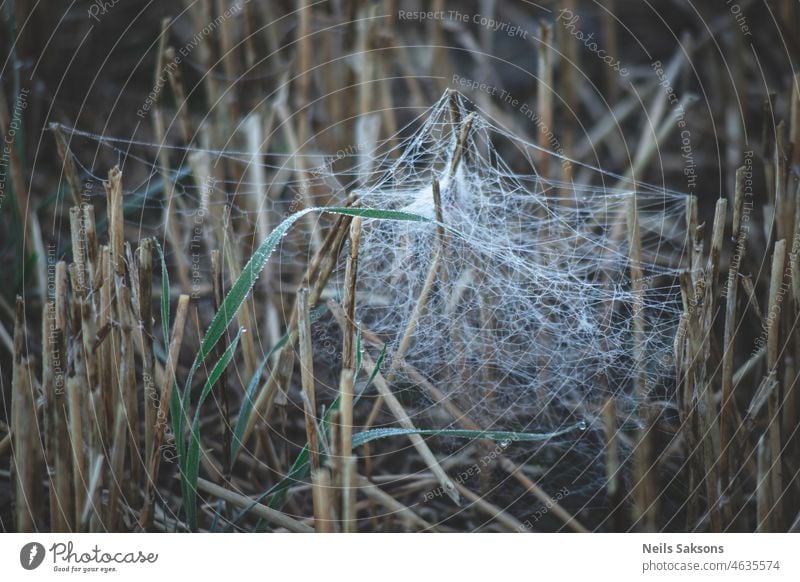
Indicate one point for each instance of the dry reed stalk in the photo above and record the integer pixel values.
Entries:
(637, 283)
(645, 488)
(400, 413)
(775, 471)
(405, 513)
(119, 443)
(709, 428)
(172, 228)
(346, 384)
(78, 240)
(79, 469)
(367, 123)
(176, 84)
(346, 393)
(439, 66)
(116, 224)
(201, 14)
(107, 370)
(430, 278)
(26, 444)
(496, 513)
(610, 30)
(321, 495)
(644, 491)
(304, 72)
(569, 520)
(438, 397)
(128, 393)
(57, 448)
(307, 375)
(92, 247)
(614, 490)
(692, 298)
(297, 145)
(348, 466)
(544, 97)
(727, 404)
(319, 270)
(259, 206)
(387, 106)
(349, 304)
(783, 218)
(145, 337)
(229, 57)
(762, 489)
(67, 164)
(169, 381)
(259, 510)
(571, 66)
(209, 222)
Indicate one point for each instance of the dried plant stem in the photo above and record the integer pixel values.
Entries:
(117, 467)
(542, 496)
(307, 375)
(145, 338)
(26, 444)
(405, 421)
(115, 220)
(321, 493)
(348, 486)
(319, 271)
(727, 404)
(511, 523)
(67, 164)
(437, 396)
(166, 393)
(774, 448)
(79, 469)
(261, 511)
(405, 513)
(544, 96)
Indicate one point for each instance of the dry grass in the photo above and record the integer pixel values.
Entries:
(96, 351)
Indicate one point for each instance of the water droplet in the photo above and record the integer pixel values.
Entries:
(504, 444)
(582, 425)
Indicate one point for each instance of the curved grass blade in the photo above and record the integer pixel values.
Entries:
(493, 435)
(191, 469)
(249, 397)
(247, 279)
(165, 291)
(301, 466)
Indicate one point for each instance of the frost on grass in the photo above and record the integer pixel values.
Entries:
(534, 319)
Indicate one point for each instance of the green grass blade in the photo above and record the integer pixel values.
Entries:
(247, 279)
(494, 435)
(191, 470)
(165, 291)
(301, 466)
(246, 408)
